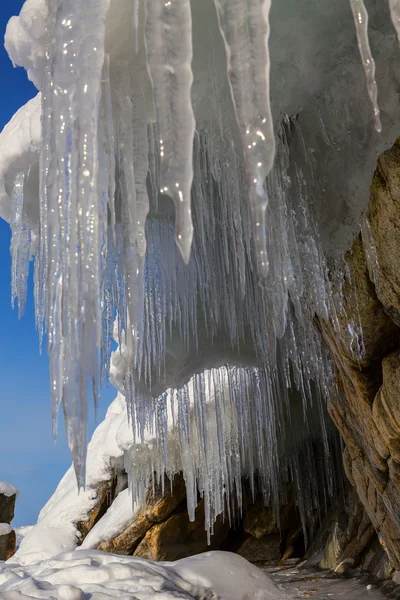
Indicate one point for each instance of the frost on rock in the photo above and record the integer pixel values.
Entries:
(118, 140)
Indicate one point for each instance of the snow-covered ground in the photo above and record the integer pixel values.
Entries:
(94, 575)
(319, 585)
(85, 574)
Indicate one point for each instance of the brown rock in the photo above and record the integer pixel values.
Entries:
(351, 536)
(104, 493)
(260, 520)
(159, 504)
(266, 549)
(366, 408)
(126, 542)
(383, 214)
(7, 545)
(177, 537)
(362, 308)
(7, 507)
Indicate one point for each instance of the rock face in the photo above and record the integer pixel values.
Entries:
(8, 496)
(161, 529)
(366, 408)
(7, 541)
(7, 507)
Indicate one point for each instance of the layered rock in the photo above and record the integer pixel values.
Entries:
(366, 405)
(8, 496)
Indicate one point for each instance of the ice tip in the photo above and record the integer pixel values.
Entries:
(184, 243)
(80, 472)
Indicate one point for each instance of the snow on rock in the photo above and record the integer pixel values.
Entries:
(25, 38)
(121, 513)
(7, 489)
(5, 528)
(85, 574)
(19, 151)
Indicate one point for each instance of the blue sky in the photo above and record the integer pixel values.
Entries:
(29, 458)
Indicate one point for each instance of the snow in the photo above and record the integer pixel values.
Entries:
(121, 513)
(25, 39)
(21, 532)
(5, 529)
(7, 489)
(91, 574)
(19, 147)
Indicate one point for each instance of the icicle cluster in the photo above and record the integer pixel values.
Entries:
(106, 253)
(227, 425)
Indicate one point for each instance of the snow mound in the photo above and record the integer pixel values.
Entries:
(22, 532)
(85, 574)
(7, 489)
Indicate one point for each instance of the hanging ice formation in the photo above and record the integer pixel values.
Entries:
(360, 15)
(106, 253)
(245, 29)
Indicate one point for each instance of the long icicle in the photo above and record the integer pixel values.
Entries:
(73, 202)
(361, 21)
(244, 25)
(168, 38)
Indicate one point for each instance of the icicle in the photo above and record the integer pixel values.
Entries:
(245, 28)
(20, 246)
(361, 21)
(394, 6)
(168, 38)
(72, 199)
(136, 23)
(108, 135)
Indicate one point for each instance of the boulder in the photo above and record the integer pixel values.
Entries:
(177, 537)
(105, 493)
(7, 541)
(266, 549)
(350, 537)
(366, 404)
(8, 496)
(159, 505)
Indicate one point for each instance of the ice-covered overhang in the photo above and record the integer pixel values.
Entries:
(316, 73)
(96, 91)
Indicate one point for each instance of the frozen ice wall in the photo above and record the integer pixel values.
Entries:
(198, 165)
